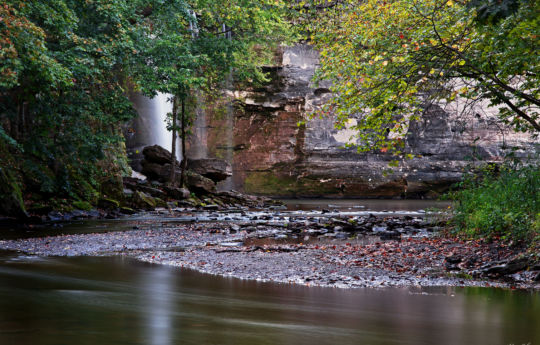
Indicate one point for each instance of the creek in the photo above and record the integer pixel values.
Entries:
(119, 300)
(88, 300)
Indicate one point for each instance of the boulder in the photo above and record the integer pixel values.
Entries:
(199, 184)
(157, 154)
(156, 172)
(143, 201)
(155, 192)
(507, 268)
(212, 168)
(176, 193)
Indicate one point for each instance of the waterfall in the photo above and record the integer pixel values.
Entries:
(151, 125)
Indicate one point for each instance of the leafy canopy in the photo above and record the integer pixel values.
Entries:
(66, 66)
(388, 59)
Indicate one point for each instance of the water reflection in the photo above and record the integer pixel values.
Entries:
(120, 301)
(157, 298)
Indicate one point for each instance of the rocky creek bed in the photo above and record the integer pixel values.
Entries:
(319, 248)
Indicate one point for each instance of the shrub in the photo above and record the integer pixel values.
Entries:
(499, 203)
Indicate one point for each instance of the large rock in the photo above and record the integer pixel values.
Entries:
(154, 171)
(157, 172)
(142, 200)
(176, 193)
(157, 154)
(199, 184)
(212, 168)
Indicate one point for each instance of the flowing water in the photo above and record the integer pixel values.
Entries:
(116, 300)
(151, 124)
(119, 301)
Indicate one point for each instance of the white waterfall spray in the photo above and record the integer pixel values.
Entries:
(153, 120)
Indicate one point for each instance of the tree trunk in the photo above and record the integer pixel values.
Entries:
(184, 156)
(172, 178)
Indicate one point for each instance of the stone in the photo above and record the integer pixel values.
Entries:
(161, 203)
(199, 184)
(155, 171)
(108, 204)
(509, 267)
(176, 192)
(213, 168)
(155, 192)
(143, 201)
(157, 154)
(127, 210)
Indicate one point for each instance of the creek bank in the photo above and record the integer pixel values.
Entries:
(305, 248)
(148, 192)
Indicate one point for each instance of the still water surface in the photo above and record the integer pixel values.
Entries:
(116, 300)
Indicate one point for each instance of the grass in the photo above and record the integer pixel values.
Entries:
(501, 203)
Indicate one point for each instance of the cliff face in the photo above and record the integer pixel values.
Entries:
(272, 155)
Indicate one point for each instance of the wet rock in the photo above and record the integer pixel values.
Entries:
(127, 210)
(158, 193)
(234, 228)
(177, 193)
(211, 207)
(142, 200)
(155, 171)
(108, 204)
(389, 235)
(507, 268)
(199, 183)
(215, 169)
(157, 154)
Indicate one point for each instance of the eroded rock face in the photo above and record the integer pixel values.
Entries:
(274, 155)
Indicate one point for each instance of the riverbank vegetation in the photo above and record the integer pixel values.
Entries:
(502, 202)
(66, 68)
(391, 61)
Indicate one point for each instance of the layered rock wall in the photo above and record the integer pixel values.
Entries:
(273, 155)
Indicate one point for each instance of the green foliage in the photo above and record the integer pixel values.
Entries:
(387, 60)
(503, 203)
(65, 67)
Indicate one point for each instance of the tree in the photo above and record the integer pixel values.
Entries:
(194, 47)
(389, 59)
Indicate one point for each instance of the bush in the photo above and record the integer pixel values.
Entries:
(499, 203)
